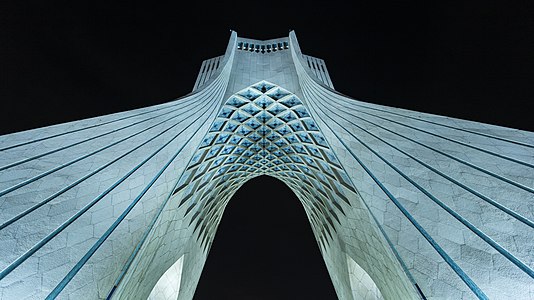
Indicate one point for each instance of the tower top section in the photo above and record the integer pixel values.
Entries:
(251, 60)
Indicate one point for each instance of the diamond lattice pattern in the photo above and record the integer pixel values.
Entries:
(264, 130)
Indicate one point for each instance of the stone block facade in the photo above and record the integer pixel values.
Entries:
(403, 204)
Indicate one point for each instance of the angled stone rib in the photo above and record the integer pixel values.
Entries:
(404, 205)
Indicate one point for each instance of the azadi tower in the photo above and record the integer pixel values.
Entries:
(403, 204)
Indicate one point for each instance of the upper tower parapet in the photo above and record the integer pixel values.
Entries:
(255, 60)
(263, 47)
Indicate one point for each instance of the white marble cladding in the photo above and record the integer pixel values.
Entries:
(363, 287)
(207, 71)
(90, 190)
(454, 197)
(318, 67)
(102, 207)
(168, 286)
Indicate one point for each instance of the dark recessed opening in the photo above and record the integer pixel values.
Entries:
(264, 249)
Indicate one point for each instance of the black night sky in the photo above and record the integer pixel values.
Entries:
(74, 59)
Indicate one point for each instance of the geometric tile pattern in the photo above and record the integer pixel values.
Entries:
(412, 204)
(264, 130)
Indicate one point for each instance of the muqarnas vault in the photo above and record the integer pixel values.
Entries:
(403, 204)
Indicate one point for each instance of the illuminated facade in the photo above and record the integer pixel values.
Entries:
(404, 205)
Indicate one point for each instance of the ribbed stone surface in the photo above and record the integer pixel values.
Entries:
(399, 201)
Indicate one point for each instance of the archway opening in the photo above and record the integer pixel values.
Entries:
(264, 249)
